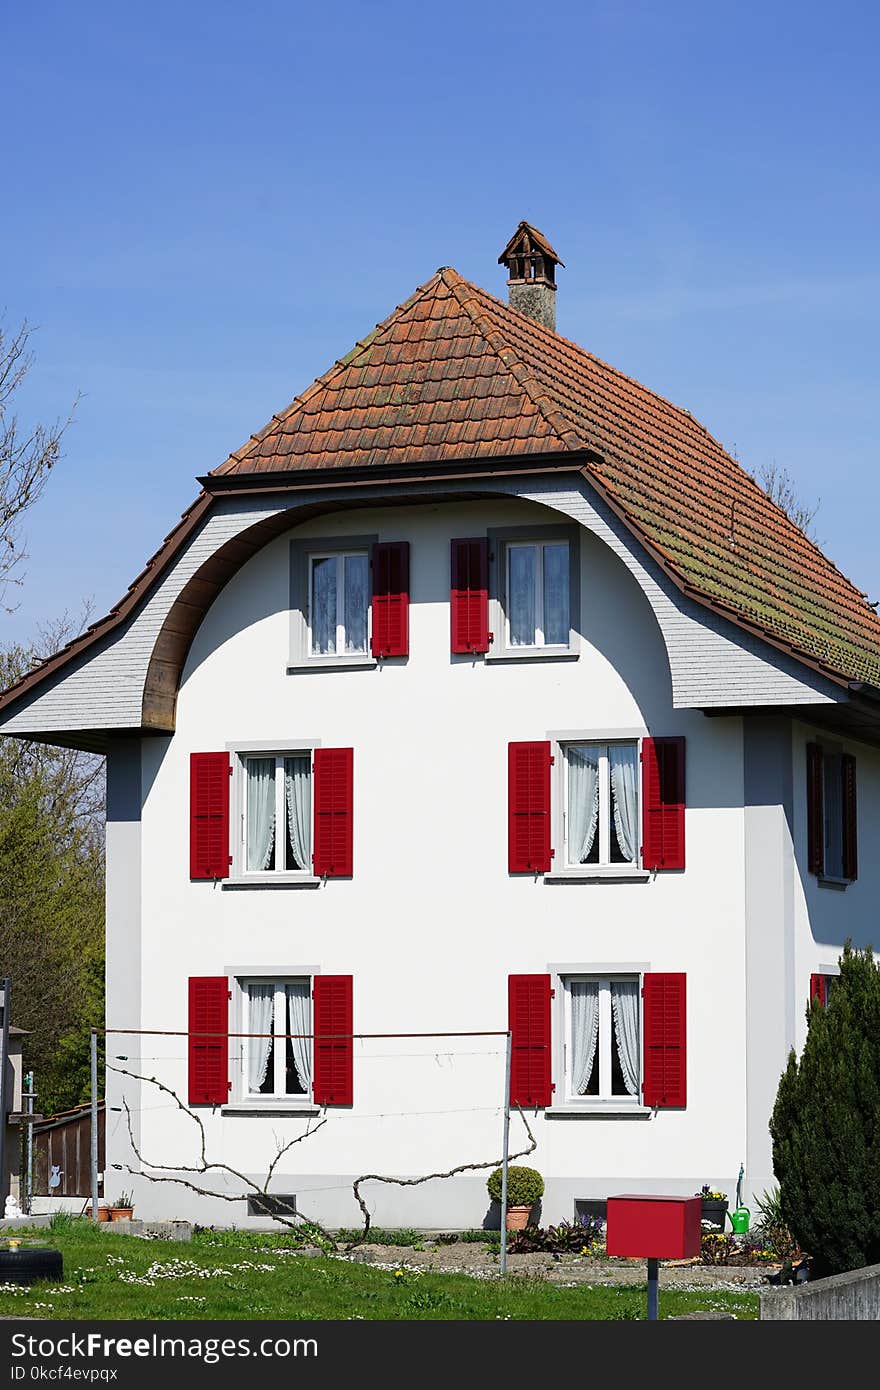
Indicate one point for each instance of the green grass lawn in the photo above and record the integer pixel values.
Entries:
(247, 1275)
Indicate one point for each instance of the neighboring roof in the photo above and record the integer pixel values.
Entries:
(456, 374)
(456, 377)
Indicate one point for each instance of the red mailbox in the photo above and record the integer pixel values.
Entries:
(653, 1228)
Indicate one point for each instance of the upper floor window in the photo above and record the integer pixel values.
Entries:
(278, 813)
(538, 600)
(273, 1063)
(339, 602)
(601, 804)
(832, 830)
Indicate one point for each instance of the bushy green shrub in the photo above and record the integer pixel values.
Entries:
(826, 1124)
(524, 1186)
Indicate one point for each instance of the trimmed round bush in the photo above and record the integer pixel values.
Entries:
(524, 1186)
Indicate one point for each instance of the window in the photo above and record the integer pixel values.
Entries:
(537, 586)
(601, 800)
(832, 814)
(339, 600)
(277, 819)
(821, 987)
(275, 1066)
(602, 1047)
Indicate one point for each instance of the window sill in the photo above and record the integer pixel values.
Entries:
(830, 881)
(272, 881)
(532, 654)
(333, 663)
(275, 1107)
(598, 1111)
(606, 874)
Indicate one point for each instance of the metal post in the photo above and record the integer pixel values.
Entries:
(94, 1059)
(504, 1152)
(29, 1147)
(6, 987)
(653, 1289)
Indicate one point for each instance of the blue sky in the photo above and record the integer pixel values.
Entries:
(208, 203)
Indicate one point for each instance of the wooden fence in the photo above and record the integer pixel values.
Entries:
(64, 1142)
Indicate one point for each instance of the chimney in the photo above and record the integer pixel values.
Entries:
(531, 268)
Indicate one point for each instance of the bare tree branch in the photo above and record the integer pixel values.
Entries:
(27, 457)
(166, 1172)
(780, 488)
(432, 1177)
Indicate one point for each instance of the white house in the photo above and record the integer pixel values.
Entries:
(480, 690)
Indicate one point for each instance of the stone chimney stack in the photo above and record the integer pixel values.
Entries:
(531, 268)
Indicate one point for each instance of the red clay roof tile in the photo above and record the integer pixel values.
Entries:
(454, 373)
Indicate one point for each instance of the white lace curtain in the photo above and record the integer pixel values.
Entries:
(625, 797)
(625, 1005)
(299, 1014)
(584, 1032)
(298, 794)
(583, 802)
(260, 812)
(261, 1011)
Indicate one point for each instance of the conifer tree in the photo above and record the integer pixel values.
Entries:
(826, 1124)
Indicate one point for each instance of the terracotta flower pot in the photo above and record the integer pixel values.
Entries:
(121, 1213)
(518, 1218)
(103, 1213)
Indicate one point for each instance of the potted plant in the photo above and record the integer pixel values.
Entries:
(524, 1187)
(122, 1208)
(714, 1207)
(103, 1212)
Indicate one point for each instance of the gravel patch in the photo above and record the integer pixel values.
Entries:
(569, 1270)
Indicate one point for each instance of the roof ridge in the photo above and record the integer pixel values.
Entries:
(340, 365)
(526, 380)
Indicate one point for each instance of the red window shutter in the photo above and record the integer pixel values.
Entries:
(208, 1055)
(663, 803)
(528, 1004)
(334, 1047)
(528, 805)
(390, 606)
(815, 810)
(209, 855)
(333, 854)
(850, 818)
(469, 596)
(817, 989)
(664, 1082)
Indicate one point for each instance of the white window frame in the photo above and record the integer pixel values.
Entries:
(277, 1097)
(563, 871)
(241, 876)
(340, 556)
(538, 545)
(501, 540)
(606, 1099)
(605, 808)
(302, 552)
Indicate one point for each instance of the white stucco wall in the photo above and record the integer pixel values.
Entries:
(431, 924)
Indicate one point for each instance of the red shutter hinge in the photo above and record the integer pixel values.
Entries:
(229, 1085)
(229, 994)
(491, 638)
(230, 769)
(552, 1087)
(552, 760)
(553, 854)
(553, 994)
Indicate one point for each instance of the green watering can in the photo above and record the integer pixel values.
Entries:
(739, 1219)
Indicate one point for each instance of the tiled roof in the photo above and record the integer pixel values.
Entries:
(455, 374)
